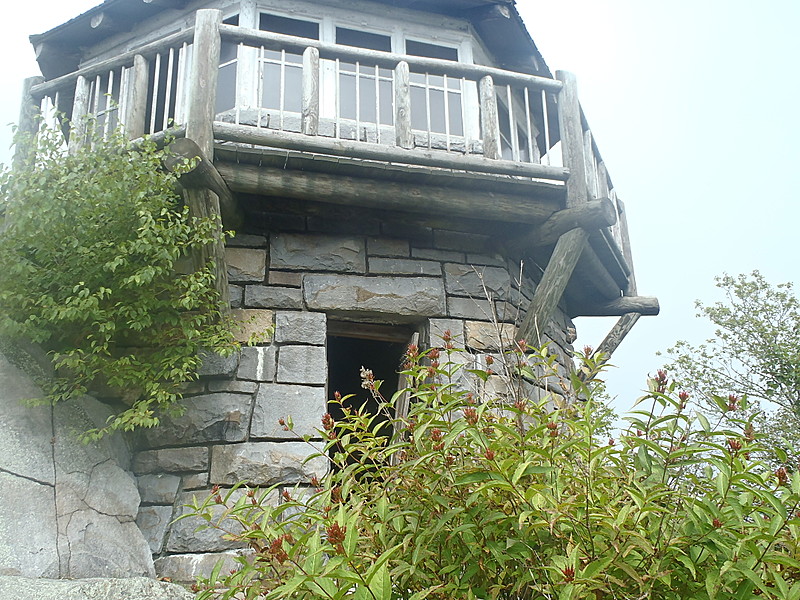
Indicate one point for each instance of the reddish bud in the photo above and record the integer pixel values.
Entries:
(447, 335)
(569, 574)
(782, 475)
(489, 359)
(336, 535)
(716, 523)
(286, 495)
(733, 402)
(471, 415)
(327, 422)
(489, 454)
(734, 445)
(683, 396)
(434, 354)
(611, 441)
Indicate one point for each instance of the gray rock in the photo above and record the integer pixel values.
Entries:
(21, 452)
(285, 278)
(317, 253)
(268, 296)
(252, 323)
(244, 240)
(476, 281)
(440, 255)
(404, 266)
(304, 404)
(186, 568)
(266, 463)
(411, 296)
(387, 247)
(246, 264)
(192, 534)
(235, 295)
(194, 481)
(482, 335)
(93, 544)
(133, 588)
(153, 522)
(27, 528)
(302, 364)
(300, 328)
(232, 385)
(216, 365)
(437, 329)
(469, 308)
(257, 363)
(171, 460)
(159, 488)
(220, 417)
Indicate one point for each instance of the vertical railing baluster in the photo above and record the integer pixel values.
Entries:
(337, 126)
(377, 106)
(428, 109)
(122, 108)
(154, 102)
(446, 114)
(282, 100)
(512, 125)
(402, 106)
(591, 172)
(310, 114)
(546, 122)
(107, 104)
(168, 88)
(80, 110)
(139, 81)
(180, 88)
(533, 149)
(358, 101)
(490, 124)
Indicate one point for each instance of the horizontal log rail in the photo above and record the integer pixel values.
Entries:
(371, 151)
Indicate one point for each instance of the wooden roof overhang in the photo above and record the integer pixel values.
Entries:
(497, 23)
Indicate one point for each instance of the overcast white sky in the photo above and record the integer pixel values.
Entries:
(694, 107)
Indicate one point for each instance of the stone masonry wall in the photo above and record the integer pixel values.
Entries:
(286, 286)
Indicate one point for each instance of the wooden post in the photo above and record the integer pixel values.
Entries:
(28, 123)
(490, 123)
(592, 186)
(310, 91)
(571, 244)
(201, 111)
(404, 137)
(614, 338)
(203, 80)
(80, 110)
(136, 106)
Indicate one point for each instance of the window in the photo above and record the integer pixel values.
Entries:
(365, 91)
(226, 84)
(281, 72)
(436, 100)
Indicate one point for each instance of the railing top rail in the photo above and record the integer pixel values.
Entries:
(389, 60)
(126, 59)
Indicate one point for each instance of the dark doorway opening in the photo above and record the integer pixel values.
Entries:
(378, 348)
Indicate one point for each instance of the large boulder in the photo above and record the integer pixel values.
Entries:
(68, 508)
(134, 588)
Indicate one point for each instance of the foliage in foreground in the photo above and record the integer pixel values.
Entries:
(754, 356)
(478, 498)
(91, 246)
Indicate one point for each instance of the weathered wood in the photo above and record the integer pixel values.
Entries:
(203, 175)
(404, 137)
(490, 123)
(590, 216)
(203, 80)
(430, 158)
(27, 124)
(591, 173)
(105, 23)
(386, 60)
(643, 305)
(618, 333)
(203, 204)
(383, 194)
(569, 121)
(551, 288)
(626, 248)
(590, 272)
(136, 107)
(126, 59)
(80, 110)
(310, 91)
(403, 402)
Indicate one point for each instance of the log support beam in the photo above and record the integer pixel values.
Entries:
(551, 288)
(642, 305)
(202, 174)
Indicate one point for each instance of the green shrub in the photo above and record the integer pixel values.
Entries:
(90, 247)
(483, 498)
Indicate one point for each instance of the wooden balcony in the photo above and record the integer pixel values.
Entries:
(296, 118)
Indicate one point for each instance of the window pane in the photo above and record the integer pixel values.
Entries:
(431, 50)
(387, 103)
(226, 88)
(363, 39)
(288, 26)
(366, 94)
(437, 111)
(456, 121)
(228, 52)
(347, 96)
(293, 93)
(271, 83)
(419, 110)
